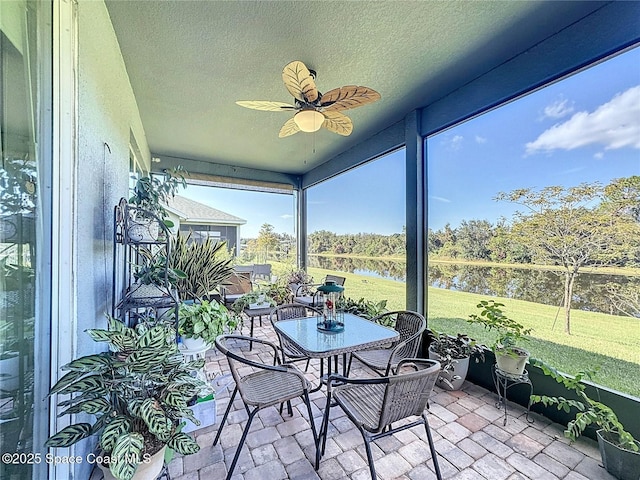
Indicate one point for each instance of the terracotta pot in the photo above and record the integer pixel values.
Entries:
(513, 362)
(148, 470)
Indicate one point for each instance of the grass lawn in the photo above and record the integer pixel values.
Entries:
(608, 342)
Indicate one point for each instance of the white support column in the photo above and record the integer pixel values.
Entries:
(63, 256)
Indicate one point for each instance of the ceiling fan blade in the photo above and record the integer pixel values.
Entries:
(344, 98)
(337, 122)
(299, 81)
(266, 106)
(289, 128)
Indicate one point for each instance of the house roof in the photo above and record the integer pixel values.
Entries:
(192, 212)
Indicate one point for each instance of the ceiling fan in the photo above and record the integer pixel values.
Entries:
(313, 109)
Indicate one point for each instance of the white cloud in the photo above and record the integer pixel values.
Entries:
(558, 109)
(616, 124)
(598, 155)
(286, 215)
(441, 199)
(456, 142)
(480, 139)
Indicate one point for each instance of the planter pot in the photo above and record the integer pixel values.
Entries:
(622, 464)
(140, 290)
(513, 362)
(148, 470)
(194, 344)
(451, 379)
(205, 412)
(143, 230)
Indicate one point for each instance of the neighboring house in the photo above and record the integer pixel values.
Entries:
(205, 222)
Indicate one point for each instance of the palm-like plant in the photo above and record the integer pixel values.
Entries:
(204, 266)
(138, 392)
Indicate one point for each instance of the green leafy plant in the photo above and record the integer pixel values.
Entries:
(203, 263)
(588, 410)
(138, 392)
(155, 271)
(252, 297)
(510, 333)
(151, 191)
(451, 349)
(204, 320)
(363, 308)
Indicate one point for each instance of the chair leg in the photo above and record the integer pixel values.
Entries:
(306, 368)
(241, 443)
(226, 414)
(322, 434)
(316, 440)
(367, 448)
(432, 447)
(349, 367)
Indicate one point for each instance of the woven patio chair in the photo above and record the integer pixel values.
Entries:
(410, 326)
(373, 404)
(307, 293)
(262, 385)
(235, 286)
(290, 351)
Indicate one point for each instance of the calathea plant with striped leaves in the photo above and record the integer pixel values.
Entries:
(137, 391)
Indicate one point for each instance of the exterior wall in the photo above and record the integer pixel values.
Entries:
(107, 116)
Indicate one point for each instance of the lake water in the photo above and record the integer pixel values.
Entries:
(540, 286)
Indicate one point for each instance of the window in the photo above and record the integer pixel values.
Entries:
(356, 225)
(492, 177)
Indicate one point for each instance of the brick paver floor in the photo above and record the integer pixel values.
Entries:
(468, 431)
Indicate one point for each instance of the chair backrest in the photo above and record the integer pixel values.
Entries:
(237, 350)
(335, 278)
(407, 394)
(262, 272)
(286, 312)
(410, 325)
(238, 283)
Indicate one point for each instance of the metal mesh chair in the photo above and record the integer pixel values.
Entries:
(374, 404)
(306, 295)
(290, 351)
(261, 385)
(410, 326)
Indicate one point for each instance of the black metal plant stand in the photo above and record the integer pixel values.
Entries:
(503, 381)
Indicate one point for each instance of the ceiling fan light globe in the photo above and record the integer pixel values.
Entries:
(309, 120)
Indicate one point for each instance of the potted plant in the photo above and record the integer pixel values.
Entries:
(618, 449)
(154, 278)
(199, 323)
(297, 279)
(148, 196)
(138, 392)
(256, 299)
(454, 354)
(362, 308)
(510, 358)
(203, 263)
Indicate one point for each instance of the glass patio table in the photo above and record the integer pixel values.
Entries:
(358, 334)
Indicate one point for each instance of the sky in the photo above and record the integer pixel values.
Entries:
(584, 128)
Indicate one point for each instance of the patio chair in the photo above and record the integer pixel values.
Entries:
(307, 293)
(290, 352)
(374, 404)
(235, 286)
(262, 272)
(261, 385)
(410, 326)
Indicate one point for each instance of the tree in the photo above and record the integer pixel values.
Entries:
(473, 239)
(576, 227)
(267, 239)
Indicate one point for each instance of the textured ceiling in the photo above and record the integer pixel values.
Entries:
(190, 61)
